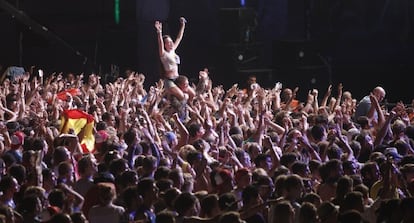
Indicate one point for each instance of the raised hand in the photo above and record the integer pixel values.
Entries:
(158, 26)
(183, 20)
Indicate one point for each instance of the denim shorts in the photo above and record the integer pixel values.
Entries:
(169, 83)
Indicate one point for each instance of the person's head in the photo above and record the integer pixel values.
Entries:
(57, 198)
(350, 216)
(287, 159)
(182, 82)
(243, 157)
(65, 172)
(263, 161)
(165, 217)
(176, 175)
(169, 197)
(353, 201)
(364, 191)
(350, 167)
(300, 168)
(187, 204)
(168, 43)
(314, 166)
(308, 213)
(38, 192)
(132, 136)
(379, 93)
(78, 217)
(109, 118)
(209, 206)
(129, 178)
(293, 186)
(327, 212)
(283, 212)
(164, 184)
(266, 186)
(231, 217)
(19, 172)
(370, 173)
(243, 177)
(313, 198)
(287, 93)
(343, 187)
(149, 164)
(223, 180)
(228, 202)
(333, 170)
(318, 133)
(171, 139)
(118, 166)
(87, 166)
(60, 154)
(61, 218)
(147, 189)
(131, 198)
(254, 149)
(9, 185)
(390, 211)
(196, 130)
(250, 196)
(106, 194)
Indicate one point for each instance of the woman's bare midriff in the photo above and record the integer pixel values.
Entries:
(171, 74)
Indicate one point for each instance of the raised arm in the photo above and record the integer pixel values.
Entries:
(158, 27)
(180, 32)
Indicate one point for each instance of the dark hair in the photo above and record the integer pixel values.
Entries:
(84, 163)
(288, 158)
(249, 193)
(308, 213)
(165, 217)
(78, 217)
(60, 218)
(106, 194)
(260, 158)
(208, 203)
(6, 183)
(117, 166)
(101, 126)
(193, 128)
(164, 184)
(170, 195)
(230, 217)
(298, 167)
(18, 171)
(28, 205)
(144, 185)
(57, 198)
(183, 202)
(350, 216)
(228, 202)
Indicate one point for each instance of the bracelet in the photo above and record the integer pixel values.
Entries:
(158, 31)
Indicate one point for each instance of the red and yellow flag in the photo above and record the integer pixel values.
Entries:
(64, 94)
(79, 121)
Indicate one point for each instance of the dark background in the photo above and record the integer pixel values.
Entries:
(305, 43)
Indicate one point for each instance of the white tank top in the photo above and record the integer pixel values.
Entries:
(170, 61)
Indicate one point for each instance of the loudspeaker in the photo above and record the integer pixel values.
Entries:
(237, 25)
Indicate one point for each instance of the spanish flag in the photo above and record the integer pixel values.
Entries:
(79, 121)
(63, 94)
